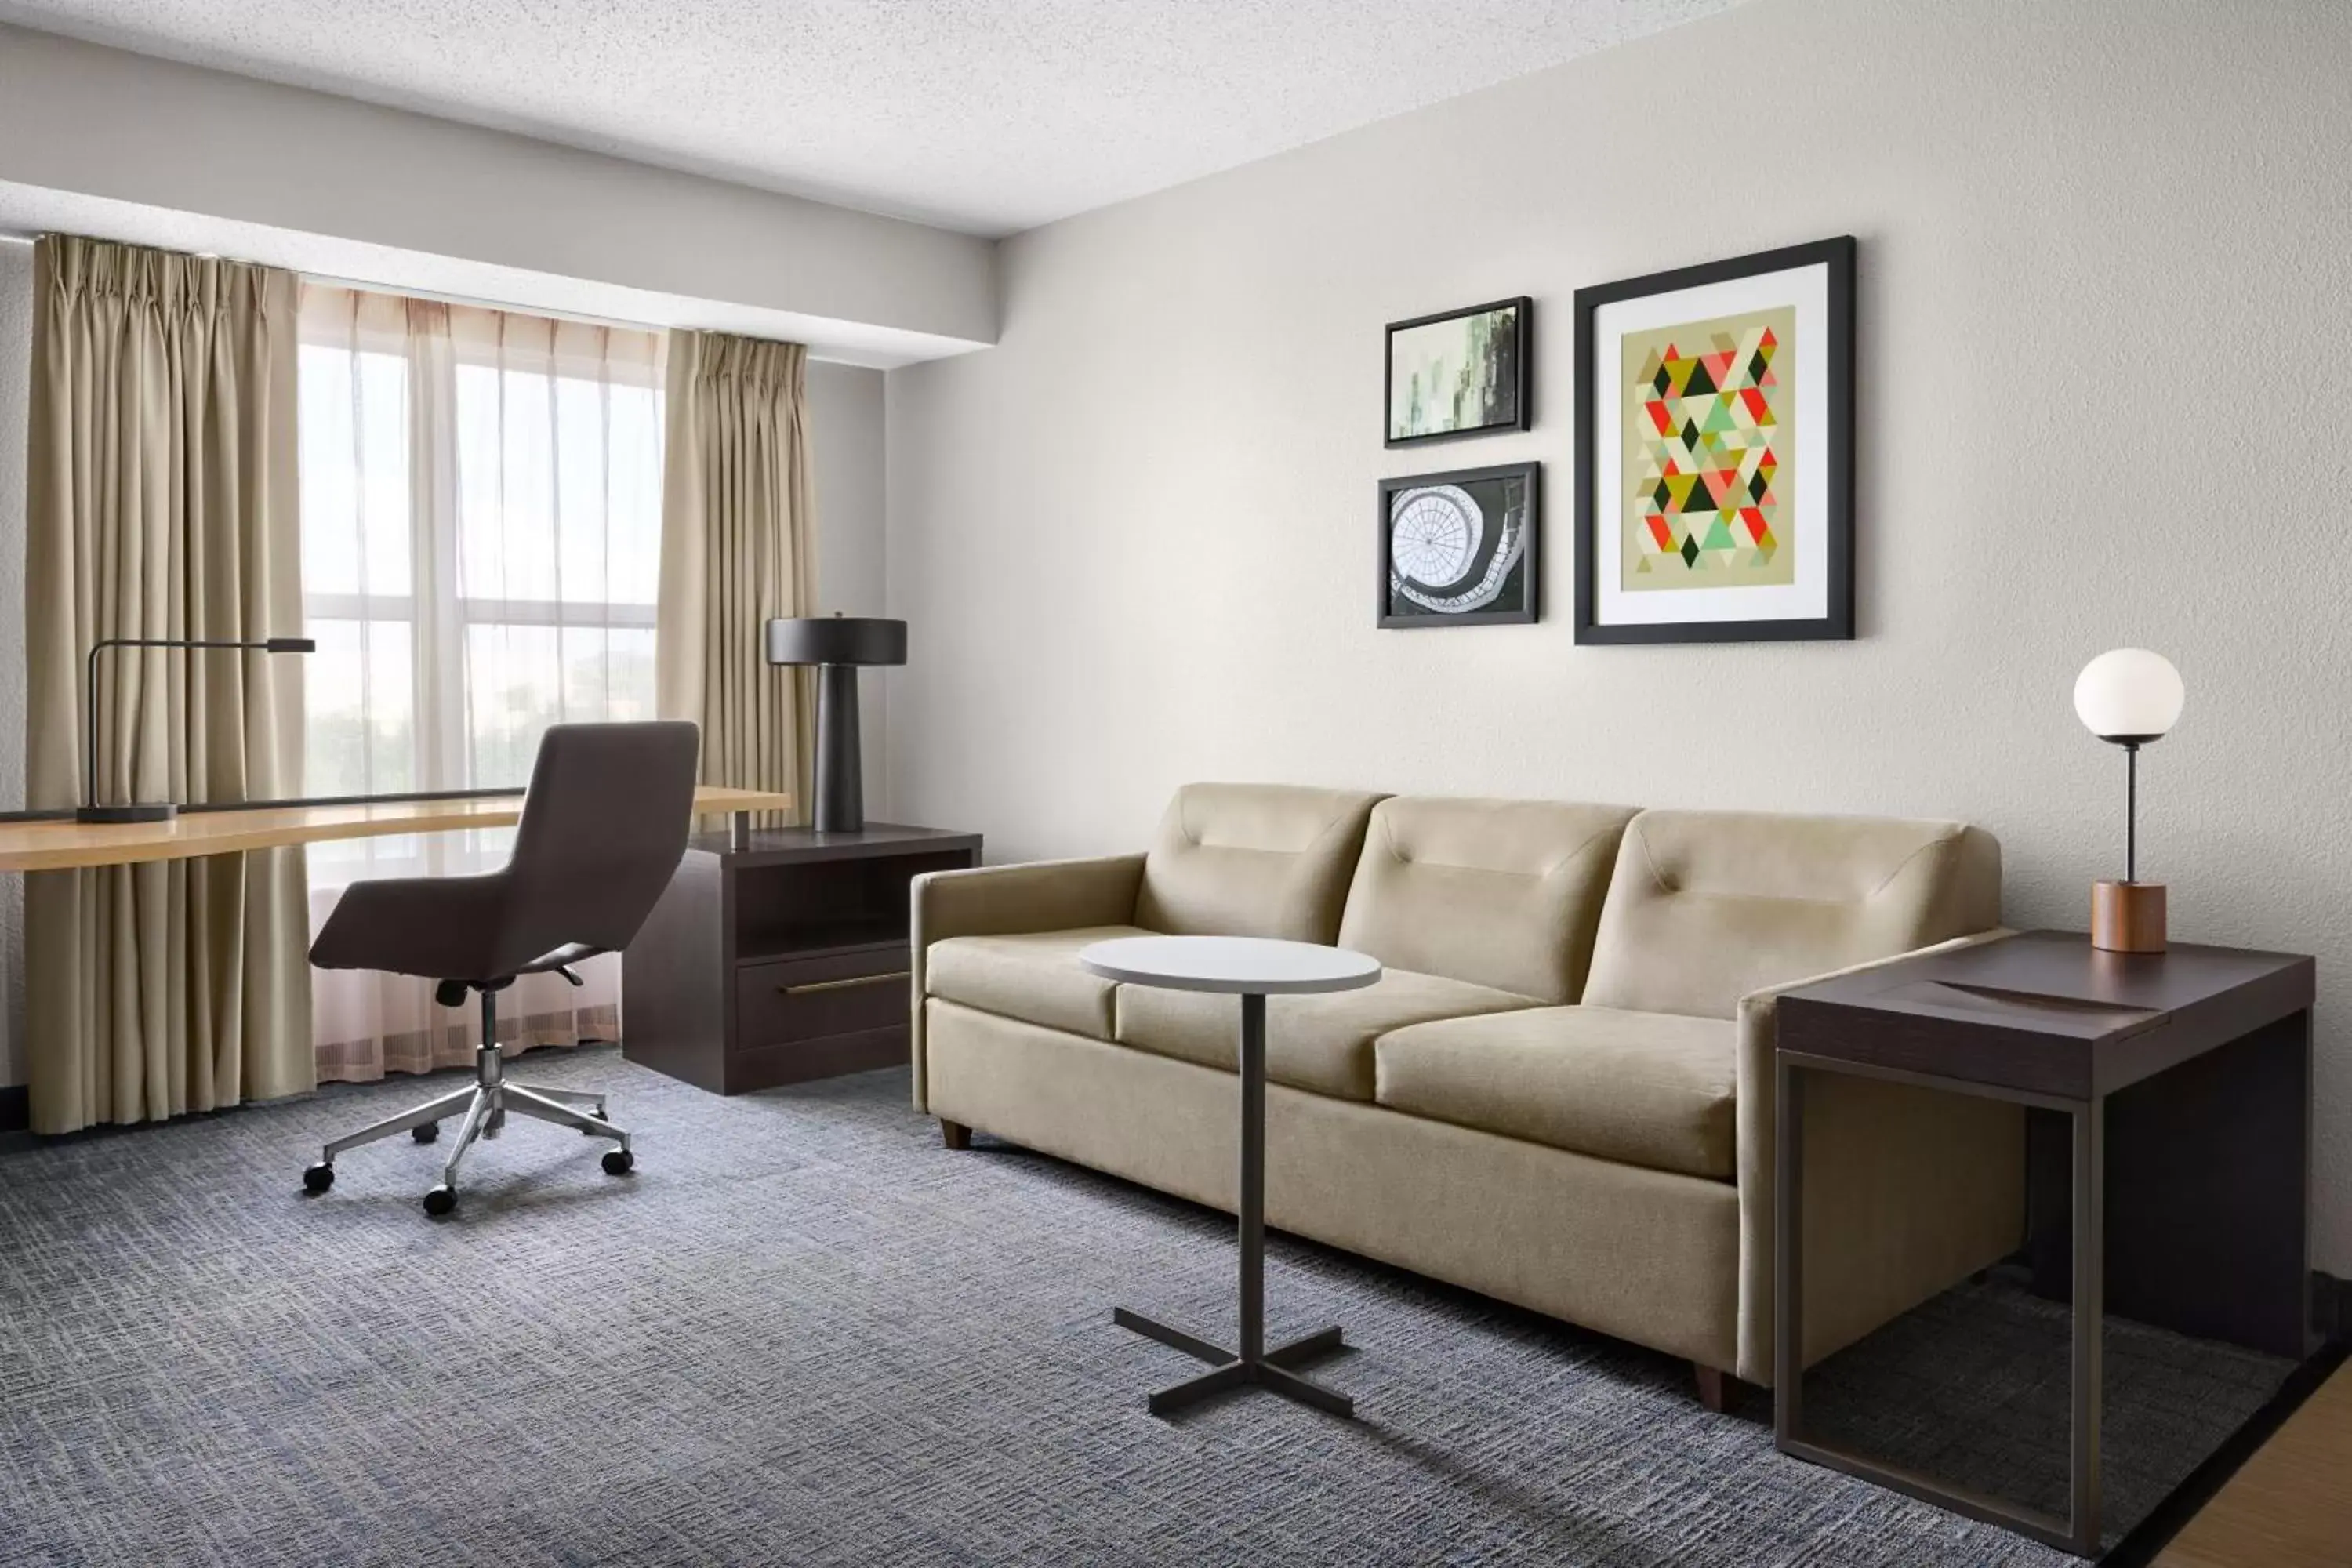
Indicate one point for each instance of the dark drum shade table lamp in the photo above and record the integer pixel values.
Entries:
(837, 646)
(2130, 697)
(149, 810)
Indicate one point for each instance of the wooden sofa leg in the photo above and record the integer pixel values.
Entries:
(954, 1134)
(1717, 1389)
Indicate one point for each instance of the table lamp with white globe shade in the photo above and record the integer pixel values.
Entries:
(2130, 698)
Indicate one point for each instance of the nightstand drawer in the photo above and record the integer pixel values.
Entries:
(803, 998)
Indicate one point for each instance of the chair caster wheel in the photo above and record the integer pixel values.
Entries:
(317, 1178)
(439, 1201)
(425, 1132)
(619, 1162)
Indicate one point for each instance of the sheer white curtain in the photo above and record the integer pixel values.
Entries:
(481, 532)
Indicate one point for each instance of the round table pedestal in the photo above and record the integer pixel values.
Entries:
(1251, 1365)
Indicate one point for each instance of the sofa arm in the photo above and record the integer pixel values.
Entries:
(996, 900)
(1940, 1139)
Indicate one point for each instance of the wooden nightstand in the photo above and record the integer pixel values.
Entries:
(782, 961)
(2186, 1077)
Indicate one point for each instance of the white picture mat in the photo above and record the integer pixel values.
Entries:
(1807, 598)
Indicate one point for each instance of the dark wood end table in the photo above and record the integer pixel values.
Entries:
(2186, 1077)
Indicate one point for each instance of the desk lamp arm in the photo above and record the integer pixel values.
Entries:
(89, 685)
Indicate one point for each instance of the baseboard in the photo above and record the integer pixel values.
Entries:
(2331, 1306)
(16, 1108)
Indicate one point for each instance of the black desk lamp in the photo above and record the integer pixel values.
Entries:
(146, 811)
(837, 645)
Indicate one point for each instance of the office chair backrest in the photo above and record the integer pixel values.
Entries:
(603, 828)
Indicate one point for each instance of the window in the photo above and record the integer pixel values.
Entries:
(481, 521)
(471, 588)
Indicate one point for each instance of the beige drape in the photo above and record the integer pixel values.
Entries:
(738, 548)
(160, 502)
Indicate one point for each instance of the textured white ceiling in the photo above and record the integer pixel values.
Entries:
(987, 115)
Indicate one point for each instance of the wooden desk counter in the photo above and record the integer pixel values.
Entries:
(62, 845)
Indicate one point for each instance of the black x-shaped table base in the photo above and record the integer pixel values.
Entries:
(1273, 1371)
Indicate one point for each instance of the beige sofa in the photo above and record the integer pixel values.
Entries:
(1560, 1093)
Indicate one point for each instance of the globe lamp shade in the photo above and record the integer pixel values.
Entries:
(2128, 696)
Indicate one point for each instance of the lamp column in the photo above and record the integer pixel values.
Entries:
(840, 775)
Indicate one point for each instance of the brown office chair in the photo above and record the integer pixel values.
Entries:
(604, 825)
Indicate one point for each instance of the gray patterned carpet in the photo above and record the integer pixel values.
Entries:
(804, 1333)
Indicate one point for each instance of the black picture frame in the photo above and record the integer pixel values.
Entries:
(1836, 468)
(1522, 381)
(1530, 568)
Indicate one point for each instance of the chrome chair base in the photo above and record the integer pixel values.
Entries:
(483, 1107)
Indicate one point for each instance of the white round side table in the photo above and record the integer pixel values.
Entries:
(1252, 968)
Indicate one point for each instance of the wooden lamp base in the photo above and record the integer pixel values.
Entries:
(2127, 917)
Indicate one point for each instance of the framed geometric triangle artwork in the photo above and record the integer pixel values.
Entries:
(1715, 451)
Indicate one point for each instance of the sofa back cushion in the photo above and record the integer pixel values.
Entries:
(1706, 906)
(1252, 860)
(1504, 893)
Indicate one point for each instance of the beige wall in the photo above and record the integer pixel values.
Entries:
(845, 432)
(845, 410)
(2105, 319)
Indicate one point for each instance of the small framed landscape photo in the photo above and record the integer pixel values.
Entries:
(1464, 372)
(1715, 451)
(1459, 548)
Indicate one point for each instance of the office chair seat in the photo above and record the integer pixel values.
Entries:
(603, 826)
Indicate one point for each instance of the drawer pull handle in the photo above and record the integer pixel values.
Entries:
(841, 985)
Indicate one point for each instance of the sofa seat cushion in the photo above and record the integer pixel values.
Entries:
(1644, 1089)
(1321, 1043)
(1031, 976)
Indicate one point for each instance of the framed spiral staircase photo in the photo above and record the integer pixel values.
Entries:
(1460, 549)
